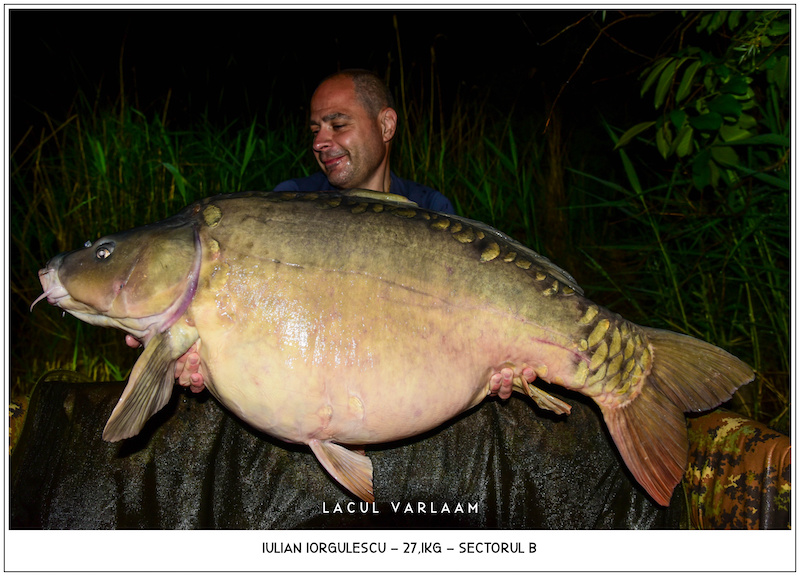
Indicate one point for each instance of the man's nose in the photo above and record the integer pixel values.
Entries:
(321, 140)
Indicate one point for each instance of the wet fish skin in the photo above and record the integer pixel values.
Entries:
(390, 319)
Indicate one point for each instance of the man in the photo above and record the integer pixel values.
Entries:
(353, 122)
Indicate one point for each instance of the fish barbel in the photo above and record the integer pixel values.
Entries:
(341, 320)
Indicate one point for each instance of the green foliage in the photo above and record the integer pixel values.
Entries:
(712, 231)
(724, 116)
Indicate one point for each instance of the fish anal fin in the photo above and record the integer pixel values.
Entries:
(350, 469)
(149, 387)
(650, 434)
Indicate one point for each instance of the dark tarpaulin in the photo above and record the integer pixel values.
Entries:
(502, 465)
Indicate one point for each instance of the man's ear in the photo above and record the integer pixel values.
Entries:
(388, 120)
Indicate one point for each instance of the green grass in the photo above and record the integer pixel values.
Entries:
(716, 268)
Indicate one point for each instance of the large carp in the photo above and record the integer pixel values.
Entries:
(340, 320)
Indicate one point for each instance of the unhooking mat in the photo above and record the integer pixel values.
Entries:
(504, 464)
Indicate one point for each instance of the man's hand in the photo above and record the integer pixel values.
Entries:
(188, 370)
(502, 382)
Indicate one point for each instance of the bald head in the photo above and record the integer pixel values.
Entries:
(371, 92)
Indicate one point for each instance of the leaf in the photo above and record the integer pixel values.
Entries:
(769, 63)
(715, 173)
(709, 80)
(781, 183)
(733, 19)
(704, 22)
(677, 117)
(773, 181)
(726, 105)
(736, 85)
(717, 21)
(725, 155)
(778, 28)
(686, 82)
(730, 133)
(701, 171)
(706, 122)
(633, 178)
(179, 179)
(771, 139)
(507, 162)
(682, 145)
(779, 75)
(655, 71)
(664, 140)
(706, 58)
(632, 132)
(746, 121)
(665, 82)
(513, 146)
(249, 148)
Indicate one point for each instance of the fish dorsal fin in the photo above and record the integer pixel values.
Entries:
(382, 196)
(350, 469)
(149, 387)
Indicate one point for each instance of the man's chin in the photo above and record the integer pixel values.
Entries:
(338, 181)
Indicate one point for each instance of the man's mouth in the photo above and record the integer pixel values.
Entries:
(331, 162)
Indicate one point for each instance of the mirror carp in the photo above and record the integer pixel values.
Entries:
(343, 320)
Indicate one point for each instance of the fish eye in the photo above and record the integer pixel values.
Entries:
(104, 251)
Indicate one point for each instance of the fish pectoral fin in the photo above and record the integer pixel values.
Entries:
(149, 389)
(543, 400)
(350, 469)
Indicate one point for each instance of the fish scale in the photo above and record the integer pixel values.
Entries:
(347, 319)
(619, 355)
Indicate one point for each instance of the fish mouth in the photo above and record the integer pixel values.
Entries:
(54, 292)
(142, 328)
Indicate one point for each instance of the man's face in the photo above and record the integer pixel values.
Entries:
(349, 144)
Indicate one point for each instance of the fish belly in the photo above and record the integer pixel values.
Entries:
(303, 353)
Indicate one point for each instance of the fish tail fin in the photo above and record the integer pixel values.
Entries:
(650, 429)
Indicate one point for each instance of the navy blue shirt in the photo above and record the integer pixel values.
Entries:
(422, 195)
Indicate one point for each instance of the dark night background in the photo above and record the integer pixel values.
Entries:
(228, 65)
